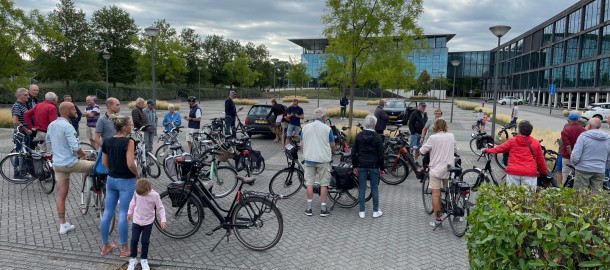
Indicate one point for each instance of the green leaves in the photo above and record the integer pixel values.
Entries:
(513, 228)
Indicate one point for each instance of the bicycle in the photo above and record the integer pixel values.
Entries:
(398, 165)
(502, 135)
(569, 183)
(93, 195)
(169, 138)
(251, 215)
(476, 176)
(244, 157)
(27, 165)
(147, 163)
(479, 141)
(455, 203)
(425, 180)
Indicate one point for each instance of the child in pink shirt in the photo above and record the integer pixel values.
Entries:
(142, 208)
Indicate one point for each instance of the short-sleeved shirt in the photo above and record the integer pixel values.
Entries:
(116, 149)
(428, 127)
(19, 110)
(298, 111)
(92, 121)
(105, 127)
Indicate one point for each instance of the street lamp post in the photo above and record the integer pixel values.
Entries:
(455, 64)
(199, 88)
(440, 85)
(274, 61)
(318, 82)
(106, 56)
(152, 32)
(498, 31)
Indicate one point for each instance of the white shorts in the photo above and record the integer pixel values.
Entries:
(189, 134)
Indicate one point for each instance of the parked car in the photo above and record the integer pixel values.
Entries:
(510, 100)
(256, 121)
(599, 110)
(399, 111)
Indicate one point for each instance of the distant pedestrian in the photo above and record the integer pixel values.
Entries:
(137, 114)
(382, 117)
(144, 206)
(45, 113)
(277, 110)
(104, 128)
(514, 115)
(417, 122)
(79, 115)
(569, 135)
(479, 118)
(172, 118)
(483, 122)
(368, 163)
(194, 120)
(591, 156)
(343, 102)
(230, 113)
(152, 120)
(294, 114)
(92, 114)
(428, 131)
(317, 142)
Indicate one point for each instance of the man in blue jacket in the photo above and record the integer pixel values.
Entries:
(343, 102)
(230, 113)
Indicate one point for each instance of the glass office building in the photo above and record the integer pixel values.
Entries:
(570, 51)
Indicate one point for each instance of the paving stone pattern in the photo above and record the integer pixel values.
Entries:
(400, 239)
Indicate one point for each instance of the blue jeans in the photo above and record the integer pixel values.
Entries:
(117, 188)
(607, 174)
(414, 141)
(373, 175)
(20, 160)
(342, 112)
(230, 126)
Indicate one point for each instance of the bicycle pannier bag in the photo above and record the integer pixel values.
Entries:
(37, 164)
(255, 159)
(171, 166)
(483, 141)
(98, 167)
(343, 177)
(176, 192)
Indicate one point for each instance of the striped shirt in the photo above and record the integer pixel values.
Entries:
(19, 110)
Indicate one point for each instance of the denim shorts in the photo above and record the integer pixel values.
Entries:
(293, 130)
(414, 140)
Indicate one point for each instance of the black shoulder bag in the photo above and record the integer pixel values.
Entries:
(542, 181)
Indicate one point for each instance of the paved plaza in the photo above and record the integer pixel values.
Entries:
(400, 239)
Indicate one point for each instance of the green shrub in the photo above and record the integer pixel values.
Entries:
(512, 227)
(6, 118)
(565, 113)
(422, 98)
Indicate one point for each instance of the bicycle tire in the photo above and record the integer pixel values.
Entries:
(256, 217)
(225, 182)
(459, 212)
(101, 207)
(47, 180)
(286, 186)
(186, 222)
(499, 158)
(256, 171)
(86, 146)
(163, 151)
(502, 136)
(7, 169)
(396, 170)
(427, 195)
(344, 198)
(474, 148)
(153, 169)
(85, 194)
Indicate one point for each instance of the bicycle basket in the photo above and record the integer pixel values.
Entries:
(37, 164)
(217, 124)
(223, 154)
(176, 192)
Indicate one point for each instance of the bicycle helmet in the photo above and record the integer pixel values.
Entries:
(191, 98)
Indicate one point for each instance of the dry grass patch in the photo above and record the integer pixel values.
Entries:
(353, 131)
(243, 101)
(333, 112)
(301, 99)
(373, 102)
(6, 118)
(565, 113)
(466, 105)
(159, 105)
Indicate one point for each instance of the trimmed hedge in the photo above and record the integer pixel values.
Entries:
(514, 228)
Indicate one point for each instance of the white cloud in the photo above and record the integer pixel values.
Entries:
(272, 23)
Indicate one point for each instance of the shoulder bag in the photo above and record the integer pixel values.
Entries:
(542, 180)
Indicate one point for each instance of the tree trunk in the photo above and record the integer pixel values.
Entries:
(352, 87)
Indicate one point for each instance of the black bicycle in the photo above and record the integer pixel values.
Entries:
(455, 203)
(253, 216)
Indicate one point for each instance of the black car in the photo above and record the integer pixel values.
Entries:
(256, 121)
(399, 111)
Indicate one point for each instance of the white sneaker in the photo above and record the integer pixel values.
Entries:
(132, 264)
(377, 214)
(361, 214)
(65, 228)
(144, 264)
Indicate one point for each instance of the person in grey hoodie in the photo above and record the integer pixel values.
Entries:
(591, 156)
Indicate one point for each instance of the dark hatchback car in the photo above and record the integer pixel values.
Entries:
(399, 111)
(256, 121)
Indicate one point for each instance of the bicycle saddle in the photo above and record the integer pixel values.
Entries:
(456, 170)
(246, 180)
(175, 147)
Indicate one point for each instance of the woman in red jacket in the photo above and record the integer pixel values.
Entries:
(525, 157)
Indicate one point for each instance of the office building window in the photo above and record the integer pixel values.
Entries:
(587, 74)
(544, 78)
(589, 44)
(533, 82)
(607, 16)
(558, 53)
(569, 76)
(574, 23)
(592, 14)
(572, 50)
(559, 29)
(556, 77)
(519, 47)
(606, 38)
(604, 72)
(547, 35)
(546, 57)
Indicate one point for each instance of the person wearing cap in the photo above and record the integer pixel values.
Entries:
(591, 156)
(152, 120)
(417, 122)
(194, 119)
(230, 113)
(569, 135)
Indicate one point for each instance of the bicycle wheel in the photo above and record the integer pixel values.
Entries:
(11, 170)
(182, 220)
(499, 158)
(286, 182)
(256, 170)
(47, 180)
(86, 146)
(258, 223)
(153, 169)
(85, 194)
(347, 198)
(502, 136)
(426, 193)
(163, 151)
(224, 181)
(474, 148)
(396, 170)
(461, 210)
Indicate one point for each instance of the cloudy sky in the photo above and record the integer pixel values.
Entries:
(272, 23)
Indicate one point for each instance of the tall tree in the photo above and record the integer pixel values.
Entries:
(69, 52)
(193, 53)
(259, 62)
(241, 72)
(298, 75)
(114, 30)
(423, 83)
(355, 28)
(170, 66)
(217, 51)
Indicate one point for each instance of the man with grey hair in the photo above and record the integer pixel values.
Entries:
(382, 117)
(44, 113)
(33, 98)
(152, 120)
(18, 111)
(92, 113)
(591, 156)
(317, 140)
(137, 114)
